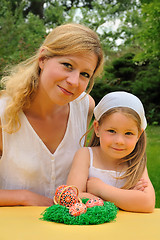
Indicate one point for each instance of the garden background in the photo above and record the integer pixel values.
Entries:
(130, 35)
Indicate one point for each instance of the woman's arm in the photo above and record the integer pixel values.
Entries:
(23, 198)
(78, 174)
(129, 200)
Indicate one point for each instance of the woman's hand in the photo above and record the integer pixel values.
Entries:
(23, 198)
(33, 199)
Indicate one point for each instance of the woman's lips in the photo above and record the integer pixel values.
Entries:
(65, 91)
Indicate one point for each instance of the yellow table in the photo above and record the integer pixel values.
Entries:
(22, 223)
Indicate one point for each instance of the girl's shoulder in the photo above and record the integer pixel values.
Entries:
(82, 157)
(94, 150)
(88, 150)
(83, 151)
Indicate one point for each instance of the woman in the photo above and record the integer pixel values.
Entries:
(44, 112)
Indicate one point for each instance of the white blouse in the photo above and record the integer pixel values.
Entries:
(26, 162)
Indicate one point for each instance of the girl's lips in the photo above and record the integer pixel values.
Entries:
(65, 91)
(118, 149)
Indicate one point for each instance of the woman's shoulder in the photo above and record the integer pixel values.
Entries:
(91, 107)
(0, 139)
(82, 96)
(81, 104)
(3, 102)
(86, 103)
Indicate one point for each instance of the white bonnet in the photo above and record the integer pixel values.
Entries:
(120, 99)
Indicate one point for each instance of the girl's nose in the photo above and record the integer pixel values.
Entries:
(119, 139)
(73, 78)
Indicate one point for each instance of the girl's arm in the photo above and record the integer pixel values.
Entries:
(23, 198)
(78, 174)
(129, 200)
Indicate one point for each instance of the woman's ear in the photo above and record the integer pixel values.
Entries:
(96, 127)
(42, 58)
(42, 61)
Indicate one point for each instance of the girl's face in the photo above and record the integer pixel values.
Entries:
(64, 78)
(118, 135)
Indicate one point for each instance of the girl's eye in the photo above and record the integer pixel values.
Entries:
(86, 75)
(68, 65)
(129, 133)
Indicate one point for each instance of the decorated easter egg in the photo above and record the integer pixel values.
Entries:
(66, 195)
(94, 202)
(59, 191)
(77, 209)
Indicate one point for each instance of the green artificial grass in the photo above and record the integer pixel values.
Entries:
(93, 216)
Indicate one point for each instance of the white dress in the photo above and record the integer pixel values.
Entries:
(107, 176)
(26, 162)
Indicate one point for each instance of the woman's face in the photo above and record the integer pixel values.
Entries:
(64, 78)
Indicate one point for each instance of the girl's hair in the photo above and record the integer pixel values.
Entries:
(21, 82)
(137, 158)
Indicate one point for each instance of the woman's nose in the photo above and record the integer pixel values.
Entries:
(73, 78)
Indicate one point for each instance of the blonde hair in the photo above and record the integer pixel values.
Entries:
(137, 158)
(21, 83)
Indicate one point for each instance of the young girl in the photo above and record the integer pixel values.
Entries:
(114, 166)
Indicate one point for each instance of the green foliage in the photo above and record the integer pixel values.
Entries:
(146, 86)
(19, 37)
(149, 34)
(22, 32)
(143, 80)
(124, 67)
(54, 15)
(153, 159)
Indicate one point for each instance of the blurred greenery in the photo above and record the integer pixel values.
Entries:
(153, 156)
(132, 65)
(143, 80)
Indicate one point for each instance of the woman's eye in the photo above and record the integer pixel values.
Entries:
(86, 75)
(68, 65)
(111, 131)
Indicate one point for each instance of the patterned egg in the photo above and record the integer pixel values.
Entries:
(77, 209)
(66, 196)
(59, 191)
(94, 202)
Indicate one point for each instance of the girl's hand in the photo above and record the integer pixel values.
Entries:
(141, 185)
(93, 186)
(34, 199)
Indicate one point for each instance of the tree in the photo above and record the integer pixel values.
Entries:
(149, 34)
(19, 37)
(143, 80)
